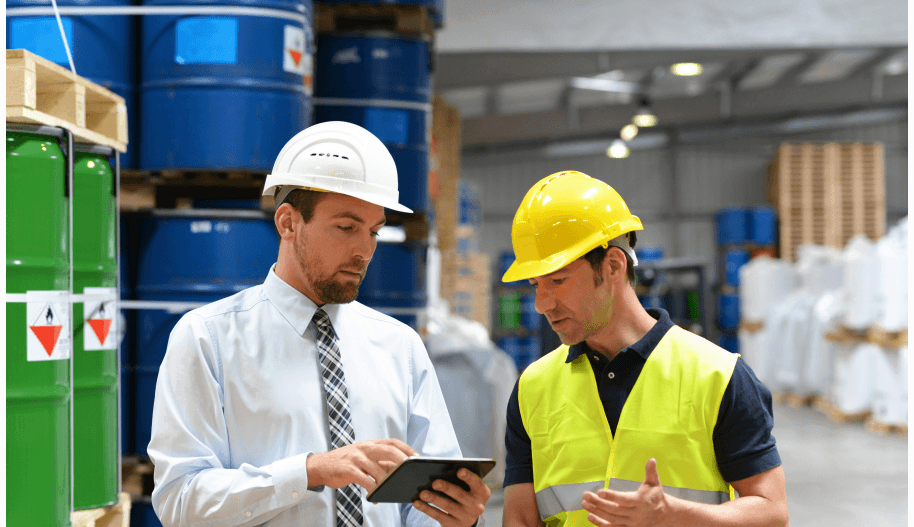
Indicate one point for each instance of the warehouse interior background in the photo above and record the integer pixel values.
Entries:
(772, 184)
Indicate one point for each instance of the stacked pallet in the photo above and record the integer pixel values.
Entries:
(41, 92)
(828, 193)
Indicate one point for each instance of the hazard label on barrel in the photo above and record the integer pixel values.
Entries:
(295, 56)
(47, 325)
(100, 331)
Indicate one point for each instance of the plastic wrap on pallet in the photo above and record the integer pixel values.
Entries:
(751, 348)
(476, 379)
(765, 282)
(855, 378)
(818, 368)
(890, 396)
(892, 293)
(861, 283)
(821, 269)
(792, 344)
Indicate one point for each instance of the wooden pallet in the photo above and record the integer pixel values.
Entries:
(408, 20)
(137, 476)
(141, 190)
(873, 335)
(750, 326)
(835, 415)
(887, 339)
(117, 515)
(41, 92)
(886, 429)
(827, 193)
(794, 400)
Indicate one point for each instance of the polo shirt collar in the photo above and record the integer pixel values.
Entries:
(643, 347)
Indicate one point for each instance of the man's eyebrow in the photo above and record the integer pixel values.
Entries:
(355, 217)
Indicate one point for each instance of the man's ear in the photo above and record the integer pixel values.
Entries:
(285, 220)
(615, 264)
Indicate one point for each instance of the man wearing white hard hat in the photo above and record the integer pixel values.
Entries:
(284, 404)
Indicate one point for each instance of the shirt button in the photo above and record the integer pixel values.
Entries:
(294, 494)
(248, 514)
(611, 375)
(596, 358)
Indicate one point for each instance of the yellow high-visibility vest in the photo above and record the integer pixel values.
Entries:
(669, 415)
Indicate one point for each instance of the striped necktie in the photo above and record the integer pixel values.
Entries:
(348, 498)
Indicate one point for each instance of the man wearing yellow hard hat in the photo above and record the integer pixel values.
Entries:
(632, 421)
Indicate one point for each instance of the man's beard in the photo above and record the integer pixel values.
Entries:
(331, 292)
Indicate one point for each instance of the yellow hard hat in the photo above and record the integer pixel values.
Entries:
(562, 218)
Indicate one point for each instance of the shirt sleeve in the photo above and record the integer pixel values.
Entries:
(742, 436)
(429, 428)
(190, 446)
(518, 453)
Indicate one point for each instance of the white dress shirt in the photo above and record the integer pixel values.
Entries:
(240, 404)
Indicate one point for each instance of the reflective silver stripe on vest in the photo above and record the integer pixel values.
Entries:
(558, 498)
(711, 497)
(566, 498)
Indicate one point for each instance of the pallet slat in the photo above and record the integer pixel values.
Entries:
(41, 92)
(117, 515)
(827, 193)
(410, 20)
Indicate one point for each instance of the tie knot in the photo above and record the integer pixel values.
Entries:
(322, 320)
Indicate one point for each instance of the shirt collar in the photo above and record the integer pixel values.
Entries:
(643, 347)
(295, 307)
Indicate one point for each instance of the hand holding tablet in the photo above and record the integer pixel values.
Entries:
(405, 482)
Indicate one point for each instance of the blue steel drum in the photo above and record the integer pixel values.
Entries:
(729, 342)
(731, 226)
(513, 346)
(734, 259)
(505, 259)
(396, 277)
(226, 91)
(143, 515)
(102, 46)
(191, 256)
(127, 281)
(728, 312)
(649, 254)
(382, 85)
(762, 226)
(533, 349)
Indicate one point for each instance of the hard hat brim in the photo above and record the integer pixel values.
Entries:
(356, 189)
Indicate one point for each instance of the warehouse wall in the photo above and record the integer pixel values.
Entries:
(709, 174)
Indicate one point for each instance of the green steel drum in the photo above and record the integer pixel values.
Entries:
(95, 461)
(37, 393)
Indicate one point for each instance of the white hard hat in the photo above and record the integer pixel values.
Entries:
(336, 157)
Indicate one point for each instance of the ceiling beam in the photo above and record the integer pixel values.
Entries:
(778, 102)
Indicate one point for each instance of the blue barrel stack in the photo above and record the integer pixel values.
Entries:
(743, 233)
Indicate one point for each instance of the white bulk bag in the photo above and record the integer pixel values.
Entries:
(861, 282)
(853, 386)
(890, 395)
(892, 293)
(818, 369)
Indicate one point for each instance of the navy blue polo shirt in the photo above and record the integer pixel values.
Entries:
(742, 436)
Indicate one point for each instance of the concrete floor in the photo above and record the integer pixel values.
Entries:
(837, 475)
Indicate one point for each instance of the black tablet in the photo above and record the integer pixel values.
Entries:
(415, 474)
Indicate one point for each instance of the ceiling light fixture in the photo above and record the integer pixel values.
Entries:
(686, 69)
(628, 132)
(618, 149)
(645, 118)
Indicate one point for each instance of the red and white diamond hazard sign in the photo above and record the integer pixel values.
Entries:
(295, 56)
(47, 325)
(100, 320)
